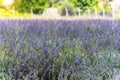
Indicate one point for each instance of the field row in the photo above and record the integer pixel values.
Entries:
(45, 49)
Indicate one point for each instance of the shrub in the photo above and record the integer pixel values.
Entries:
(59, 49)
(37, 6)
(67, 5)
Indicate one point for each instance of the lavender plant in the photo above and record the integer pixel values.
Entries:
(38, 49)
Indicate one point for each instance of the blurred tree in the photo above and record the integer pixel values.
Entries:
(83, 4)
(66, 9)
(39, 5)
(17, 4)
(36, 5)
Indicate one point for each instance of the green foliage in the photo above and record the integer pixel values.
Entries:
(69, 6)
(83, 4)
(108, 10)
(37, 5)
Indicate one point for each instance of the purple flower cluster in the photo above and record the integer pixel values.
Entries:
(37, 48)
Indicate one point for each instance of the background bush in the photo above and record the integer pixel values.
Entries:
(83, 4)
(69, 6)
(39, 6)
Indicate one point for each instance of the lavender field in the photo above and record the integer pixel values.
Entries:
(59, 49)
